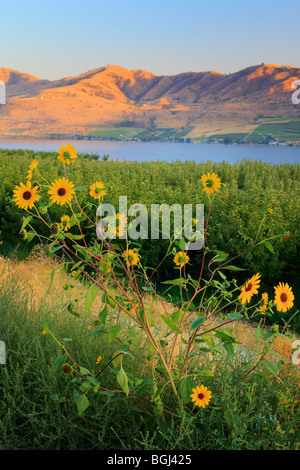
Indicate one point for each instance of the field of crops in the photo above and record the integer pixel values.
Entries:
(251, 191)
(143, 343)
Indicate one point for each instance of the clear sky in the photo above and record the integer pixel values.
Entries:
(54, 39)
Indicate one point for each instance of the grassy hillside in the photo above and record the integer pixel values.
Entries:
(37, 410)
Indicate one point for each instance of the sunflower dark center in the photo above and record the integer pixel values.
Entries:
(283, 297)
(27, 195)
(61, 192)
(209, 183)
(248, 287)
(67, 154)
(200, 396)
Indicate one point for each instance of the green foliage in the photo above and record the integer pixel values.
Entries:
(168, 346)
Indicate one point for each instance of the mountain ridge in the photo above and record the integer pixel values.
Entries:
(209, 102)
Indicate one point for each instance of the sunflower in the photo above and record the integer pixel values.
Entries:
(67, 154)
(201, 396)
(25, 196)
(263, 306)
(65, 223)
(283, 297)
(99, 359)
(211, 182)
(119, 229)
(34, 163)
(181, 258)
(97, 190)
(61, 191)
(131, 257)
(32, 167)
(131, 309)
(250, 288)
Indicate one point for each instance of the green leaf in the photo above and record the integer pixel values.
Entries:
(271, 367)
(229, 418)
(97, 332)
(30, 236)
(181, 244)
(74, 237)
(82, 403)
(177, 316)
(206, 373)
(233, 268)
(51, 282)
(208, 339)
(225, 337)
(229, 348)
(113, 332)
(176, 282)
(123, 380)
(169, 322)
(25, 222)
(103, 314)
(221, 256)
(197, 323)
(185, 389)
(93, 380)
(269, 246)
(260, 333)
(54, 249)
(108, 393)
(234, 316)
(84, 371)
(90, 297)
(58, 360)
(222, 275)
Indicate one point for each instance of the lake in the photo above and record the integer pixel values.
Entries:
(165, 151)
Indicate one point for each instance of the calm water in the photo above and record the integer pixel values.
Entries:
(152, 151)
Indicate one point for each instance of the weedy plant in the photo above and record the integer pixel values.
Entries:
(170, 346)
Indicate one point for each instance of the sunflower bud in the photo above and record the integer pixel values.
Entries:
(54, 229)
(24, 234)
(67, 369)
(286, 236)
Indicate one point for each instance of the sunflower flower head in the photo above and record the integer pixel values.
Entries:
(131, 257)
(61, 191)
(264, 303)
(67, 369)
(250, 288)
(181, 258)
(65, 223)
(67, 153)
(211, 183)
(284, 297)
(99, 359)
(201, 396)
(34, 163)
(97, 190)
(25, 196)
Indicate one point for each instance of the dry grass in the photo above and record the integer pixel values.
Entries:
(34, 276)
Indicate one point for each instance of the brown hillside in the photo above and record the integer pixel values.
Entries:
(210, 102)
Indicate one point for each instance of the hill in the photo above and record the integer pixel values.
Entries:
(194, 104)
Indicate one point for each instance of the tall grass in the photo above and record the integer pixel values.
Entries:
(246, 416)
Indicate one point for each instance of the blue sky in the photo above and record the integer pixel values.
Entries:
(54, 39)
